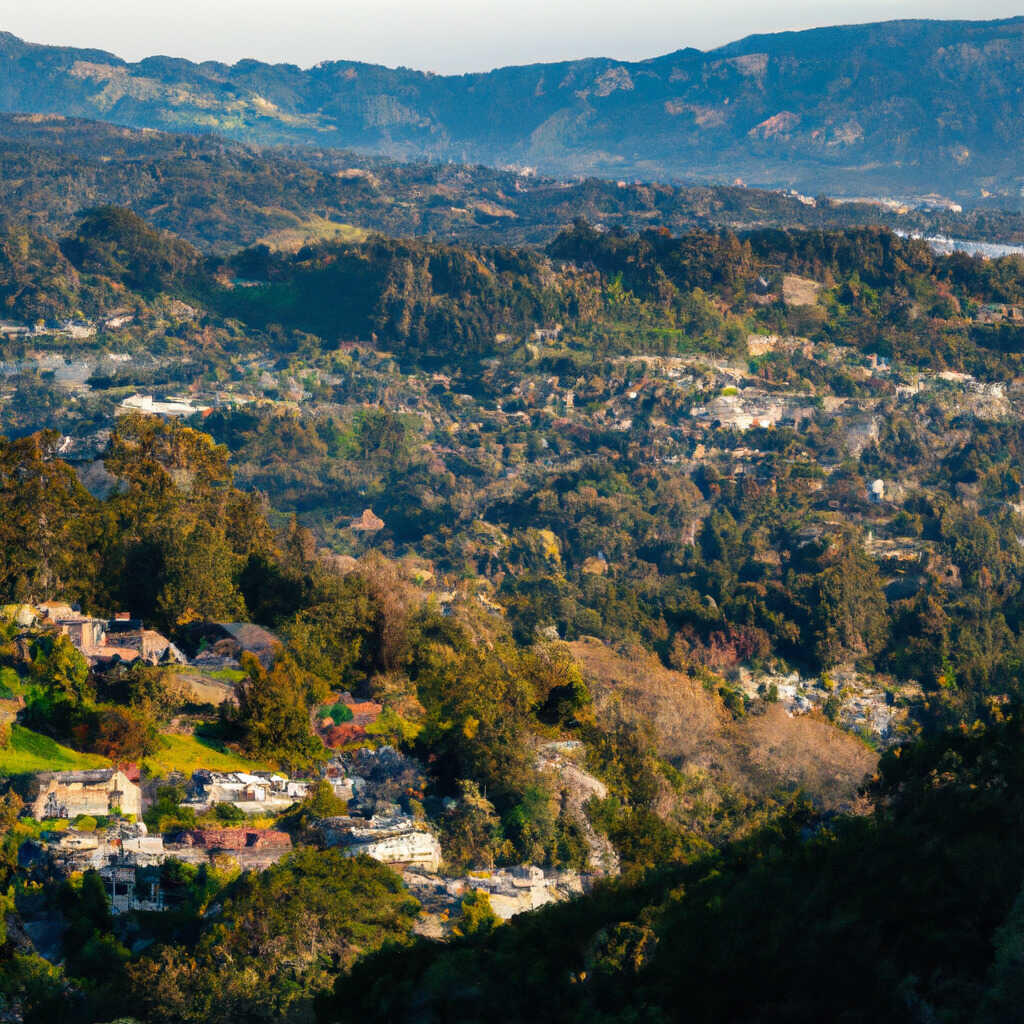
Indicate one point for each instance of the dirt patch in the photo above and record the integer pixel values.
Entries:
(777, 749)
(202, 689)
(799, 291)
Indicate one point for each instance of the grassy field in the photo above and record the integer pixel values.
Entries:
(315, 229)
(227, 675)
(30, 752)
(189, 753)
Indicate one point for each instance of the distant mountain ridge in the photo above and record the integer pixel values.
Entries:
(898, 107)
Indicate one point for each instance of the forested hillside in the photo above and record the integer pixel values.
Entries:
(630, 436)
(907, 107)
(674, 578)
(533, 581)
(221, 195)
(881, 918)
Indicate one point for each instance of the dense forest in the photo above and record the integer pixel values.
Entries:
(849, 894)
(882, 918)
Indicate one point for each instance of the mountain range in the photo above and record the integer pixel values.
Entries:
(908, 107)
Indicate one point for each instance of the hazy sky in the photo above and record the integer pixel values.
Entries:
(438, 35)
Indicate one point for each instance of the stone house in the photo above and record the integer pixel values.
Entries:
(84, 632)
(119, 639)
(129, 859)
(97, 792)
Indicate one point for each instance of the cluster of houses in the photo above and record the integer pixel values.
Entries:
(103, 642)
(124, 639)
(855, 701)
(252, 793)
(100, 792)
(992, 313)
(77, 330)
(129, 859)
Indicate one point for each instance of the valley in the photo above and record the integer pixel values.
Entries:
(570, 589)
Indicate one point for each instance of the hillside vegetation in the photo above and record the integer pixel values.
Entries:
(884, 918)
(701, 551)
(220, 195)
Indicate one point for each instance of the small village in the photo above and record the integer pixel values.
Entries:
(452, 570)
(94, 819)
(130, 860)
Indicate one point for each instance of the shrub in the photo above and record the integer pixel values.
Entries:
(478, 916)
(228, 812)
(323, 803)
(337, 713)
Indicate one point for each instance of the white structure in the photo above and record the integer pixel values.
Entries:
(252, 793)
(156, 407)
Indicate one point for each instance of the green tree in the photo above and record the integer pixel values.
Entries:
(199, 577)
(61, 687)
(48, 522)
(282, 937)
(849, 608)
(476, 915)
(273, 713)
(322, 801)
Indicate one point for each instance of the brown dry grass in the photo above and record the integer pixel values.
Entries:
(799, 291)
(754, 756)
(202, 688)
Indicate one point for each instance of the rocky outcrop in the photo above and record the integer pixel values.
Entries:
(577, 787)
(398, 839)
(511, 891)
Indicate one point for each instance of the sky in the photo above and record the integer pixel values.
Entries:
(445, 36)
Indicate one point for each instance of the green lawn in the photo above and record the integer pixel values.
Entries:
(10, 683)
(30, 752)
(189, 753)
(227, 675)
